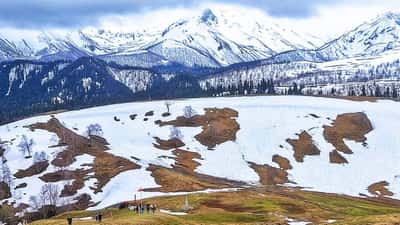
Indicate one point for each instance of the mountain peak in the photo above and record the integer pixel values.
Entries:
(208, 17)
(389, 16)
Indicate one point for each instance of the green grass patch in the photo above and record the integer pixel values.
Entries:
(350, 207)
(217, 218)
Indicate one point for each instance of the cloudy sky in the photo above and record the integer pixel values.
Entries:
(325, 18)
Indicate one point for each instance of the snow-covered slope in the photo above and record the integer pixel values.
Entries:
(371, 38)
(384, 66)
(265, 125)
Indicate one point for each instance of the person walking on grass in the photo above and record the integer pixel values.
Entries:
(100, 217)
(147, 208)
(153, 208)
(69, 221)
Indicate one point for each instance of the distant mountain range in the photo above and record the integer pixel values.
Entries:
(213, 39)
(371, 38)
(214, 53)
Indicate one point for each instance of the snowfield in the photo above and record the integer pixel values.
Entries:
(265, 124)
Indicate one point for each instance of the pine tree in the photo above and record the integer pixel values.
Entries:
(363, 91)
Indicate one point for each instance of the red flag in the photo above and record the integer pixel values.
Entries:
(139, 189)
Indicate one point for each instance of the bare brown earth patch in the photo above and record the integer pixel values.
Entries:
(168, 144)
(2, 150)
(219, 125)
(149, 113)
(166, 114)
(5, 191)
(337, 158)
(178, 180)
(303, 146)
(283, 162)
(35, 169)
(133, 116)
(270, 175)
(380, 189)
(184, 160)
(104, 167)
(361, 98)
(350, 126)
(22, 185)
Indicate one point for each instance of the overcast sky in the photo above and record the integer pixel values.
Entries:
(319, 17)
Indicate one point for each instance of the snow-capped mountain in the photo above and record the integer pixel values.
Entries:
(221, 38)
(372, 38)
(216, 37)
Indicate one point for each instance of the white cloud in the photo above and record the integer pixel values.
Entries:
(331, 22)
(328, 22)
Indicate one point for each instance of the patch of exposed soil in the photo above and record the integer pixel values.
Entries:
(380, 189)
(181, 180)
(168, 144)
(184, 160)
(219, 125)
(350, 126)
(314, 115)
(35, 169)
(2, 150)
(283, 162)
(361, 98)
(104, 167)
(336, 157)
(270, 175)
(149, 113)
(133, 116)
(166, 114)
(5, 191)
(22, 185)
(303, 146)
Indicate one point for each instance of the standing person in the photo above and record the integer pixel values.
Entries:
(147, 208)
(100, 217)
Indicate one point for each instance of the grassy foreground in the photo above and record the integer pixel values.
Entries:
(253, 206)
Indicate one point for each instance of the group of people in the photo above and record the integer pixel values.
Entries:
(98, 217)
(142, 208)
